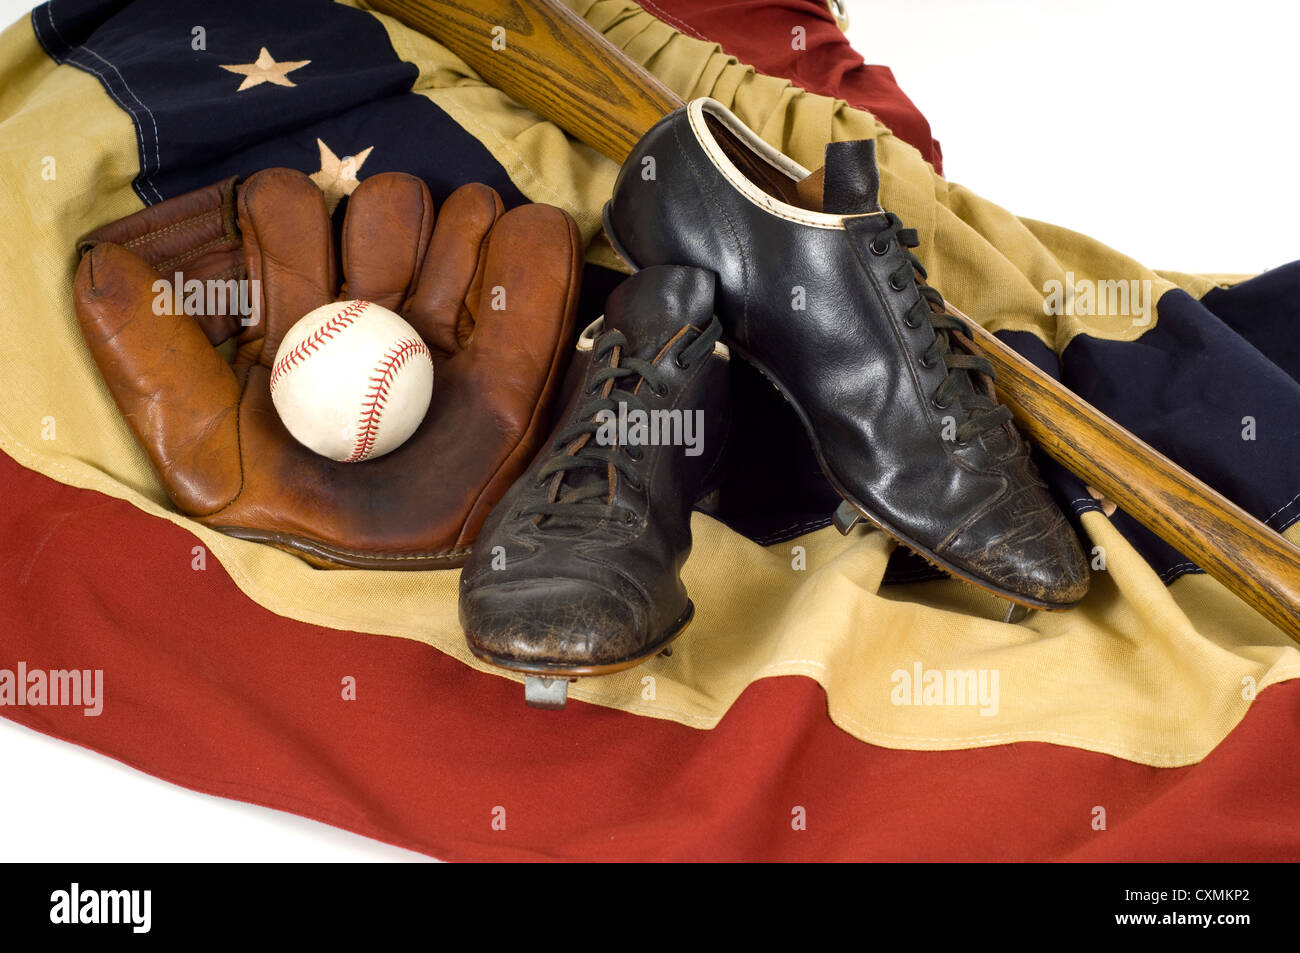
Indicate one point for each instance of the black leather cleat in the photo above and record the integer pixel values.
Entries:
(578, 569)
(817, 289)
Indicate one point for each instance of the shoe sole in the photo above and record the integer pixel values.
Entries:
(571, 671)
(923, 551)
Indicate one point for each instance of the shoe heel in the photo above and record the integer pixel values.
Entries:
(619, 250)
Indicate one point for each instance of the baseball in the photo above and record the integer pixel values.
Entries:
(352, 381)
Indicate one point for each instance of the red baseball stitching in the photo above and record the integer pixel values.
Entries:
(314, 341)
(373, 408)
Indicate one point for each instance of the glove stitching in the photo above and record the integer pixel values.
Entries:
(192, 253)
(392, 557)
(180, 223)
(291, 540)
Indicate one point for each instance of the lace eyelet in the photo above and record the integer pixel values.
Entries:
(677, 360)
(638, 455)
(877, 249)
(926, 363)
(635, 485)
(660, 391)
(908, 321)
(893, 283)
(627, 517)
(939, 406)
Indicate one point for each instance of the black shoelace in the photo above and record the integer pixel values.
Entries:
(982, 412)
(576, 449)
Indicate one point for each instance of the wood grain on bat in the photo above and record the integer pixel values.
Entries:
(548, 62)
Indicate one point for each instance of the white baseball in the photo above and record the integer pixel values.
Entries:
(352, 381)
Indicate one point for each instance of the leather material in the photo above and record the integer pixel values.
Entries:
(851, 178)
(851, 361)
(195, 234)
(595, 593)
(209, 427)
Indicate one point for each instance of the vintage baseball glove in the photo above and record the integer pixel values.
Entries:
(208, 424)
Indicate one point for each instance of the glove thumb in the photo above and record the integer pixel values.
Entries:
(179, 396)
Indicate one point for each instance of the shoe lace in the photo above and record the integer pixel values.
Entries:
(982, 412)
(578, 455)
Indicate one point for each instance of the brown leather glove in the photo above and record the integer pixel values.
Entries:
(209, 426)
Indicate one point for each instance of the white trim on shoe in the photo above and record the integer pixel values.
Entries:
(587, 339)
(778, 161)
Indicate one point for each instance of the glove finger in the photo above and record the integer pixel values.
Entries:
(529, 288)
(453, 268)
(178, 395)
(289, 247)
(515, 359)
(386, 237)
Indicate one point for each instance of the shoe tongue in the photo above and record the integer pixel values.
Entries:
(851, 186)
(649, 308)
(657, 302)
(852, 180)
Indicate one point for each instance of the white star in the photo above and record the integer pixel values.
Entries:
(338, 177)
(265, 70)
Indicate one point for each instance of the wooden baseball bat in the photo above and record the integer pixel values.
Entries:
(557, 65)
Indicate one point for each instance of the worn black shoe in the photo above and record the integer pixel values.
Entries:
(577, 570)
(818, 290)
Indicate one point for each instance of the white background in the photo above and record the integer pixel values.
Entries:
(1123, 120)
(1165, 128)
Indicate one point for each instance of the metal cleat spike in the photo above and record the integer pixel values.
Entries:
(547, 693)
(846, 517)
(1016, 613)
